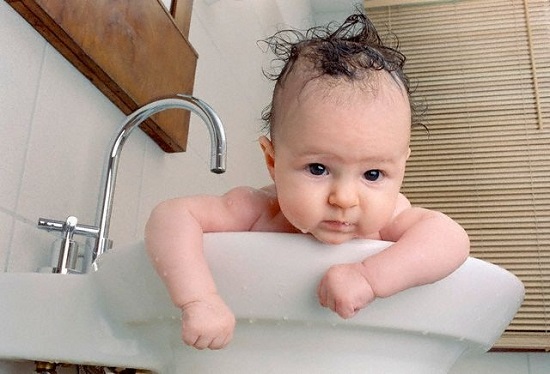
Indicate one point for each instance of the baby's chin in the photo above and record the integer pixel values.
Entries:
(333, 239)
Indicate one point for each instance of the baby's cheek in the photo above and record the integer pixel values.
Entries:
(296, 220)
(376, 218)
(297, 213)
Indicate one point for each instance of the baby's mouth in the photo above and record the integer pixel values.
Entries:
(334, 225)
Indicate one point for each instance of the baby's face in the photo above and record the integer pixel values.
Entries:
(338, 159)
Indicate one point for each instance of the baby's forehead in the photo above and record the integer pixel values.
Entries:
(315, 100)
(304, 80)
(303, 85)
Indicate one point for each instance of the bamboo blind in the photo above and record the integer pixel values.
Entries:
(482, 67)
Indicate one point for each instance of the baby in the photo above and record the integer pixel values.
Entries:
(339, 130)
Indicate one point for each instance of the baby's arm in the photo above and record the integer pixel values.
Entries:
(428, 247)
(173, 237)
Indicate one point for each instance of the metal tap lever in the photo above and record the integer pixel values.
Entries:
(55, 225)
(68, 253)
(69, 248)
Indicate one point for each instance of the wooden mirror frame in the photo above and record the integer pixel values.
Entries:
(134, 51)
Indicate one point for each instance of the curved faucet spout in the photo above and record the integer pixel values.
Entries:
(193, 104)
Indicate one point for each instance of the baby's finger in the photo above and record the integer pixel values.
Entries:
(188, 338)
(202, 342)
(329, 302)
(344, 310)
(220, 342)
(322, 294)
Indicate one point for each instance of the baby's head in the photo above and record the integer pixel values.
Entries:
(351, 54)
(340, 126)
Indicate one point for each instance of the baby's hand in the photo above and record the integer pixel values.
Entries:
(207, 323)
(345, 290)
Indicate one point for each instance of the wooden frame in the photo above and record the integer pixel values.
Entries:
(134, 51)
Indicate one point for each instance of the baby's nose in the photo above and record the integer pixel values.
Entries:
(343, 195)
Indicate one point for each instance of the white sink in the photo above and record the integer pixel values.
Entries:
(121, 315)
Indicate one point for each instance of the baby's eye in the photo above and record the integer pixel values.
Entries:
(317, 169)
(372, 175)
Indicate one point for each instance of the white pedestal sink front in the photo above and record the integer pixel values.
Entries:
(121, 315)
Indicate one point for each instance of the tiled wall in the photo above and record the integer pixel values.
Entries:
(55, 127)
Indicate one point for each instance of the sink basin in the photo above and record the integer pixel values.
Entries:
(121, 315)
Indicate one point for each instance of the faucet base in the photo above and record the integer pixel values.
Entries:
(44, 367)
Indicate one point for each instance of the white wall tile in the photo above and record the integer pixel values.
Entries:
(234, 29)
(296, 13)
(324, 18)
(72, 126)
(6, 229)
(21, 55)
(30, 248)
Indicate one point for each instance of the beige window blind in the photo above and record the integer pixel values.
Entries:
(482, 67)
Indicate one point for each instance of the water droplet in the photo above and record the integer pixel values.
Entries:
(157, 259)
(285, 318)
(164, 274)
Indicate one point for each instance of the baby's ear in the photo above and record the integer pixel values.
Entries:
(269, 155)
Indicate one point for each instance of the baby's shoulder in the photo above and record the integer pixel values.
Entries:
(245, 195)
(264, 202)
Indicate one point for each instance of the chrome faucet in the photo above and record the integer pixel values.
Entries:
(217, 163)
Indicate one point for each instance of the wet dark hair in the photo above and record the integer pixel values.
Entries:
(348, 51)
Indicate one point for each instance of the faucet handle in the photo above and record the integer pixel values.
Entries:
(68, 252)
(69, 227)
(56, 225)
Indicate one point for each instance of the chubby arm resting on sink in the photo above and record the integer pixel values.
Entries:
(428, 246)
(173, 238)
